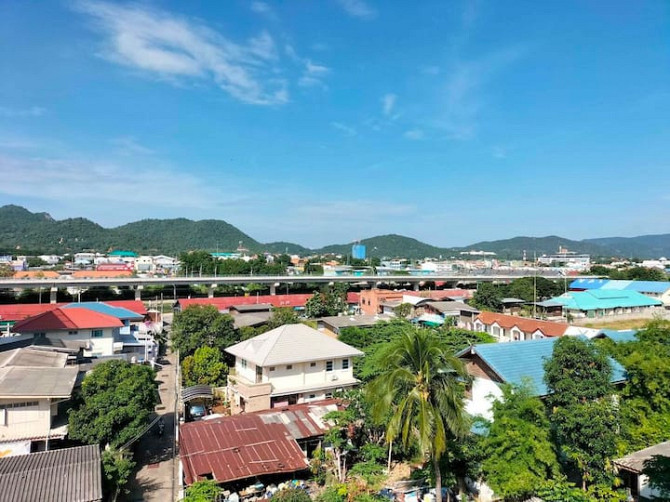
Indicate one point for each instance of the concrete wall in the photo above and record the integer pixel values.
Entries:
(24, 421)
(102, 346)
(484, 393)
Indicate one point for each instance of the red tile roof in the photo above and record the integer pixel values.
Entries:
(237, 447)
(20, 311)
(66, 319)
(136, 306)
(225, 302)
(36, 274)
(526, 325)
(100, 274)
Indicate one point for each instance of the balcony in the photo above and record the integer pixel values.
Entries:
(247, 388)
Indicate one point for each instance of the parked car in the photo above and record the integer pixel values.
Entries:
(197, 411)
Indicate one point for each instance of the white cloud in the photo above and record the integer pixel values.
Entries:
(347, 130)
(358, 8)
(499, 152)
(33, 111)
(414, 134)
(261, 7)
(388, 103)
(173, 47)
(312, 74)
(128, 145)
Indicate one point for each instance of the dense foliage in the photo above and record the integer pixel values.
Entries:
(331, 301)
(488, 295)
(630, 274)
(202, 325)
(204, 367)
(197, 263)
(205, 490)
(115, 404)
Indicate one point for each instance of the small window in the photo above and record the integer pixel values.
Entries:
(243, 363)
(329, 365)
(73, 332)
(96, 333)
(345, 364)
(329, 395)
(272, 368)
(289, 366)
(312, 396)
(312, 365)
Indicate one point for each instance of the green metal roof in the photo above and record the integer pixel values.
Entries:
(596, 299)
(122, 253)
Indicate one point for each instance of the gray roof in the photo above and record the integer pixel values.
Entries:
(253, 319)
(291, 343)
(19, 381)
(33, 357)
(345, 321)
(67, 475)
(452, 307)
(635, 461)
(253, 307)
(512, 300)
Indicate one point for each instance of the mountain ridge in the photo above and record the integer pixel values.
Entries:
(22, 229)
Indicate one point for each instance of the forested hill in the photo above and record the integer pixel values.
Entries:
(30, 232)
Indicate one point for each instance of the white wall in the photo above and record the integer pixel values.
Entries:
(306, 375)
(103, 346)
(25, 421)
(484, 392)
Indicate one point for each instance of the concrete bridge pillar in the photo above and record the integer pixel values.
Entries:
(53, 297)
(138, 292)
(416, 286)
(273, 288)
(210, 290)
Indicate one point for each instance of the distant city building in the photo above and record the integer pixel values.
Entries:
(358, 251)
(478, 253)
(566, 258)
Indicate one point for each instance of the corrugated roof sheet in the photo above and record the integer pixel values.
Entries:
(237, 447)
(291, 343)
(622, 336)
(516, 361)
(19, 381)
(596, 299)
(67, 475)
(33, 358)
(635, 461)
(225, 302)
(657, 287)
(104, 308)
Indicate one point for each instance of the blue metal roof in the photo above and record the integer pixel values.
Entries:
(588, 283)
(639, 286)
(515, 362)
(659, 287)
(623, 336)
(604, 299)
(104, 308)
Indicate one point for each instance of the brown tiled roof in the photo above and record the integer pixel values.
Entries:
(526, 325)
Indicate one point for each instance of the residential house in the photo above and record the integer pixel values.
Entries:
(372, 300)
(510, 328)
(254, 446)
(288, 365)
(493, 364)
(333, 324)
(595, 303)
(630, 467)
(224, 303)
(33, 383)
(65, 475)
(95, 333)
(462, 314)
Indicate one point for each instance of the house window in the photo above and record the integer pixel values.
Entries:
(345, 364)
(96, 333)
(329, 365)
(312, 396)
(72, 332)
(243, 363)
(289, 366)
(329, 395)
(272, 368)
(312, 365)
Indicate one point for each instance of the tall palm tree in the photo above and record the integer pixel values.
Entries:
(421, 388)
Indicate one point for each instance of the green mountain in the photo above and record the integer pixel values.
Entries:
(514, 248)
(391, 246)
(40, 233)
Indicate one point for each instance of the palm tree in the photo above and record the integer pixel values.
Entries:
(422, 389)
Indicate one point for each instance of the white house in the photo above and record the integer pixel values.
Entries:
(630, 470)
(33, 383)
(96, 333)
(291, 364)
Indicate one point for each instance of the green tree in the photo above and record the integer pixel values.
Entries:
(421, 388)
(291, 495)
(202, 325)
(403, 310)
(117, 468)
(657, 468)
(315, 306)
(116, 402)
(204, 367)
(282, 316)
(582, 412)
(487, 297)
(6, 270)
(518, 453)
(206, 490)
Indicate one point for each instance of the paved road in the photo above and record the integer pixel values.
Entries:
(155, 479)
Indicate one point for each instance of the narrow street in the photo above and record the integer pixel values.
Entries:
(156, 475)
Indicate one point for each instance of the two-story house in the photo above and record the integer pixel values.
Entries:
(97, 334)
(291, 364)
(33, 384)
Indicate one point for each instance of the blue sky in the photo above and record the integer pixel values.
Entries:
(328, 121)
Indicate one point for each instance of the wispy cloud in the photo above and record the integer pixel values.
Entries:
(128, 145)
(347, 130)
(260, 7)
(388, 103)
(33, 111)
(313, 74)
(358, 8)
(464, 89)
(414, 134)
(173, 47)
